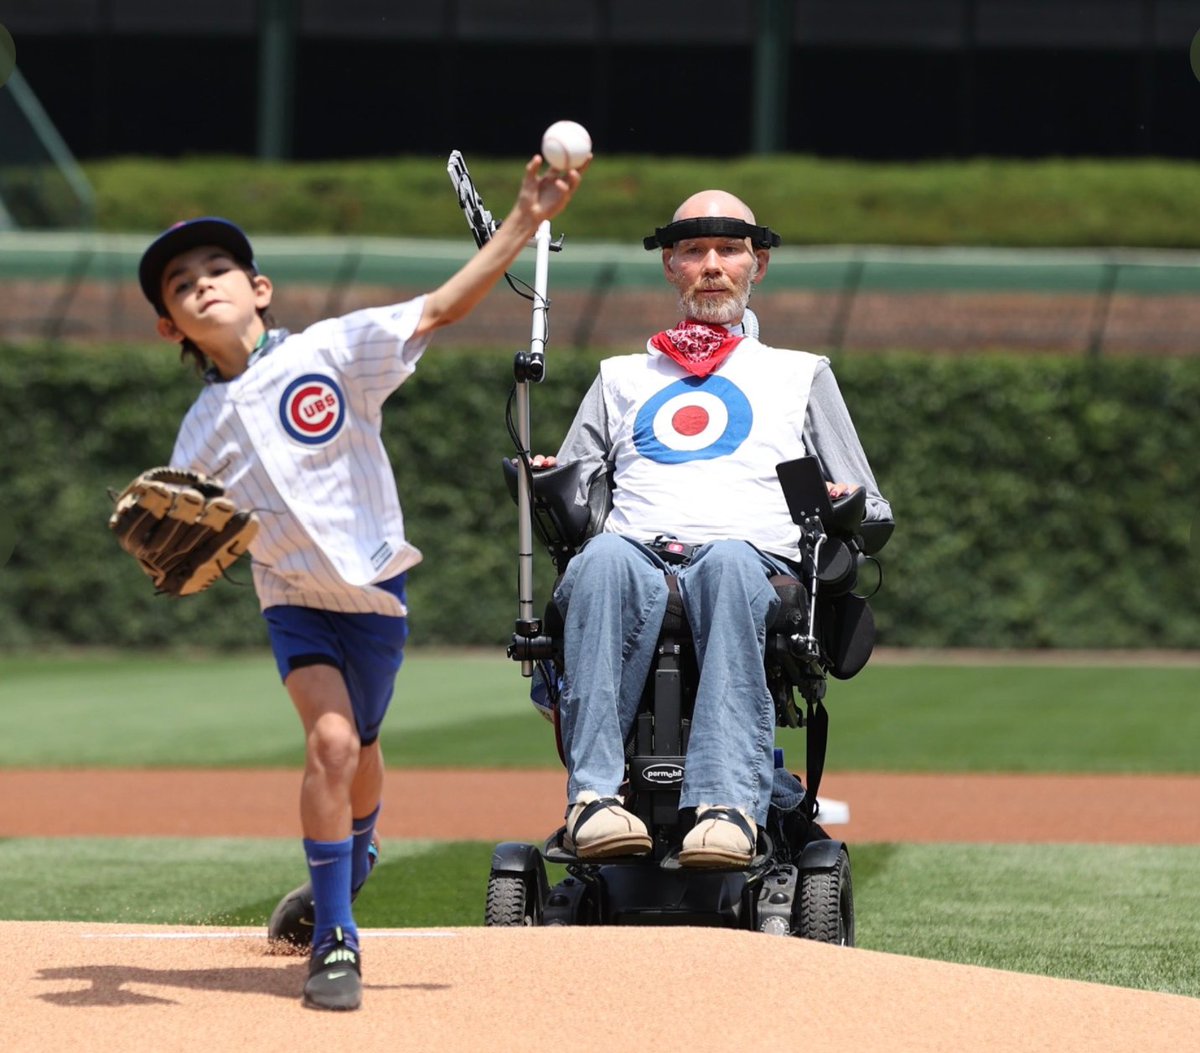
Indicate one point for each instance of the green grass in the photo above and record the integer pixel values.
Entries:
(166, 711)
(1122, 915)
(1013, 718)
(1115, 914)
(471, 709)
(223, 881)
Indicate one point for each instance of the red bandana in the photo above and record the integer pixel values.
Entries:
(699, 348)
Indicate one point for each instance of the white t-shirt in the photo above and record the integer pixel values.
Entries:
(696, 457)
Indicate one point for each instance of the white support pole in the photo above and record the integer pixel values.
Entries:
(533, 371)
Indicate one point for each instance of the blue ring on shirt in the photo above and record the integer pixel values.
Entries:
(737, 425)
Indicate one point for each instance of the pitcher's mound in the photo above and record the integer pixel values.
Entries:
(96, 988)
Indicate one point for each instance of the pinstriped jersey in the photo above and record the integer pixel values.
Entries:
(297, 438)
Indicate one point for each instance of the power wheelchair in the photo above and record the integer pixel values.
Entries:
(799, 881)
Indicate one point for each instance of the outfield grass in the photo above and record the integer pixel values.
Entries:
(472, 709)
(1122, 915)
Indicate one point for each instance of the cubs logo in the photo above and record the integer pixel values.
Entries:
(694, 419)
(312, 409)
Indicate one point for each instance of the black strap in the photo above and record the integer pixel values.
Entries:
(599, 804)
(671, 550)
(816, 741)
(733, 815)
(712, 227)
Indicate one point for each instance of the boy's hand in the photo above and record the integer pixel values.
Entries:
(540, 198)
(544, 196)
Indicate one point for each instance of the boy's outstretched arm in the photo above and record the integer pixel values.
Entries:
(540, 198)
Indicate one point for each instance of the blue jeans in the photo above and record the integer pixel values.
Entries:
(613, 598)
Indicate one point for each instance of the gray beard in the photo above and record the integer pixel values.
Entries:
(725, 311)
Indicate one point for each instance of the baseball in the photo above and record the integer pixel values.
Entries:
(566, 144)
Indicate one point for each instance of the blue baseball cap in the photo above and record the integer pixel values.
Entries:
(190, 234)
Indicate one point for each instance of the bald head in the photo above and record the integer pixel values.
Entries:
(713, 252)
(713, 203)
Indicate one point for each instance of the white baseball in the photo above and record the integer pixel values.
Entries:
(566, 144)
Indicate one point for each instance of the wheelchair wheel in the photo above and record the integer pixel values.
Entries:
(826, 904)
(512, 900)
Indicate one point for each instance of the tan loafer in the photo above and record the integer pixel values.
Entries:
(722, 837)
(599, 827)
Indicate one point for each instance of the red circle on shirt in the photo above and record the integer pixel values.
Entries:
(691, 420)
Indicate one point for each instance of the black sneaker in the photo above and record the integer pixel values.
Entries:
(334, 977)
(291, 925)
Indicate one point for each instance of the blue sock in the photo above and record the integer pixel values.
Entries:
(360, 859)
(329, 871)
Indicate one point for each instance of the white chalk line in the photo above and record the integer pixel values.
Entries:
(240, 934)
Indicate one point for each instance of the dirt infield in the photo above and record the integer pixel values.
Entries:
(105, 988)
(496, 805)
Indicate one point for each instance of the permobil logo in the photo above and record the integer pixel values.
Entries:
(664, 774)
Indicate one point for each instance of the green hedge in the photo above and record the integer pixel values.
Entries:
(1041, 501)
(1033, 203)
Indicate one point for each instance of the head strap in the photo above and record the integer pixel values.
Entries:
(712, 227)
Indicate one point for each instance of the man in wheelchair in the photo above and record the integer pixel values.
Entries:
(677, 451)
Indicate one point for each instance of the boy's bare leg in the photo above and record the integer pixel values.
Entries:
(332, 751)
(330, 786)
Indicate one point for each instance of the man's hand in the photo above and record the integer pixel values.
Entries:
(837, 490)
(540, 460)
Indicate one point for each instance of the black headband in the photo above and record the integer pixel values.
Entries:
(711, 227)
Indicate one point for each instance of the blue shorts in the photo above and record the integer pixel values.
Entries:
(366, 648)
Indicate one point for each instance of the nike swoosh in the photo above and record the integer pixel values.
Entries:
(320, 862)
(337, 975)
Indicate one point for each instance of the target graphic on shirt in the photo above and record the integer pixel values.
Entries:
(312, 409)
(694, 419)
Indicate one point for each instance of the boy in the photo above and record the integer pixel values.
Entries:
(291, 425)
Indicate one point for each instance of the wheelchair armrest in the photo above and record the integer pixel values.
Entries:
(847, 520)
(875, 535)
(847, 513)
(559, 521)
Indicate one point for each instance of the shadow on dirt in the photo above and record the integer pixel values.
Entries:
(111, 985)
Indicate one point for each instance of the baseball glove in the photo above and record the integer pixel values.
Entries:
(181, 529)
